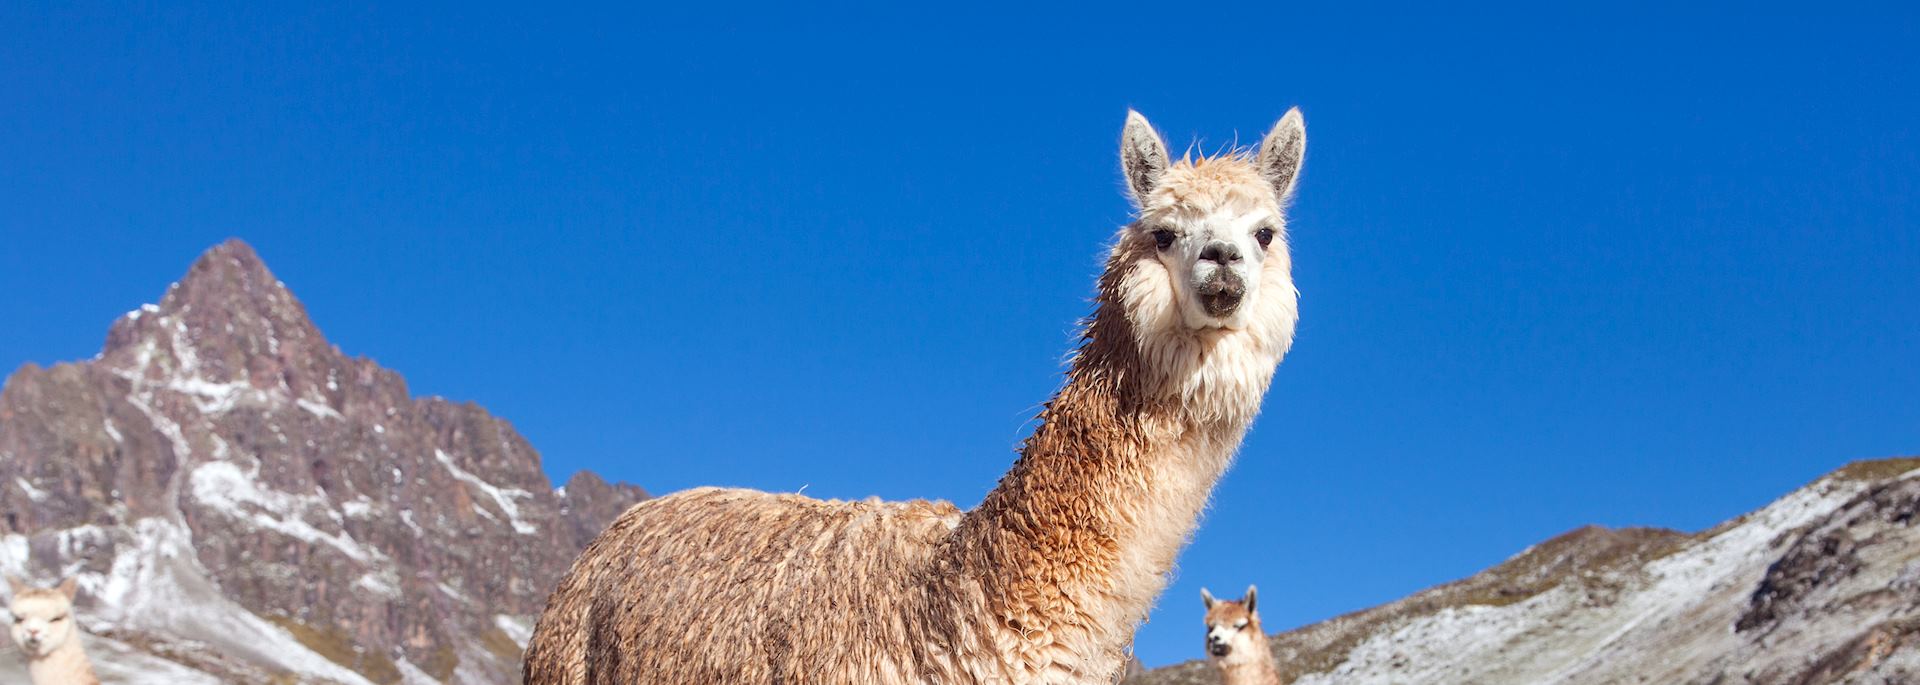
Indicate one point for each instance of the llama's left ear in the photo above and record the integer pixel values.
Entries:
(16, 586)
(1249, 600)
(1282, 152)
(1143, 157)
(1206, 597)
(70, 587)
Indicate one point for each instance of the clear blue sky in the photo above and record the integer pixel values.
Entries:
(1624, 265)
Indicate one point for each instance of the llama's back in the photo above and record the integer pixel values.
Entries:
(739, 586)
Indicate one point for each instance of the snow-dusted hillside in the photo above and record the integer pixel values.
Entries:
(241, 502)
(1821, 586)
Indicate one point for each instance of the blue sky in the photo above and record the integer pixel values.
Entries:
(1627, 265)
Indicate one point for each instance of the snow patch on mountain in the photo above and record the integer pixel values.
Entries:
(222, 486)
(502, 497)
(519, 629)
(33, 493)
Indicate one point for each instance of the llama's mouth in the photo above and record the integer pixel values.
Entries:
(1218, 649)
(1221, 295)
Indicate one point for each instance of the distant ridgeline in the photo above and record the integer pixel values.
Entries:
(1822, 586)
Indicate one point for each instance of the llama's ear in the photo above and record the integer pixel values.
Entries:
(1206, 597)
(70, 587)
(16, 586)
(1249, 600)
(1282, 152)
(1143, 157)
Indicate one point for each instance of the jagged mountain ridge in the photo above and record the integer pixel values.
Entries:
(1821, 586)
(244, 502)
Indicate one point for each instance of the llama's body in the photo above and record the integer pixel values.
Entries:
(826, 570)
(1045, 581)
(1236, 644)
(44, 628)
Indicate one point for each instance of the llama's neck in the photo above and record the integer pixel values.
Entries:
(65, 665)
(1257, 669)
(1074, 545)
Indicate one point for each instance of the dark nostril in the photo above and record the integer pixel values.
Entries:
(1220, 253)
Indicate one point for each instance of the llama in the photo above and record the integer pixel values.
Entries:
(1046, 580)
(1236, 643)
(43, 626)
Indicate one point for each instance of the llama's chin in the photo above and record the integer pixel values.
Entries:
(1211, 319)
(36, 649)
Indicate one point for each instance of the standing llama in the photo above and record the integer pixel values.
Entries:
(1236, 643)
(1045, 581)
(43, 626)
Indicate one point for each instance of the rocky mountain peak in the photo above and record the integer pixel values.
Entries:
(227, 327)
(223, 476)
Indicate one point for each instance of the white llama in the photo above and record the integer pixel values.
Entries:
(1043, 582)
(44, 627)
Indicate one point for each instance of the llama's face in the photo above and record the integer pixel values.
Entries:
(1215, 229)
(42, 619)
(1233, 628)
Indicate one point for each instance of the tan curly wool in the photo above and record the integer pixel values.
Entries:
(1043, 582)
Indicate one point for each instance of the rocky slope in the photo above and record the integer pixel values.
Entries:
(244, 503)
(1821, 586)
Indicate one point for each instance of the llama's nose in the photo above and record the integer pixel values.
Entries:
(1220, 253)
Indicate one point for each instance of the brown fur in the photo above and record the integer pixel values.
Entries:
(1044, 582)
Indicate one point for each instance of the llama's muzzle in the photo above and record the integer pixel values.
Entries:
(1221, 294)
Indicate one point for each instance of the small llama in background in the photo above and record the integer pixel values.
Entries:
(43, 627)
(1236, 643)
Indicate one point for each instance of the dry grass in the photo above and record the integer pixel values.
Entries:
(337, 647)
(1877, 469)
(441, 664)
(498, 643)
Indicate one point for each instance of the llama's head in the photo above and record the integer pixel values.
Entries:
(1215, 226)
(1203, 273)
(42, 618)
(1233, 629)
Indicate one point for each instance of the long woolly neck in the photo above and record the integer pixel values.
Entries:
(1073, 546)
(1258, 670)
(65, 665)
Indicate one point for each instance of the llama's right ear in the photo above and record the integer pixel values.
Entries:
(70, 587)
(1281, 153)
(1143, 157)
(1206, 597)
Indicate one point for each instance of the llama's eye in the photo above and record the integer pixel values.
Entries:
(1239, 624)
(1265, 236)
(1163, 238)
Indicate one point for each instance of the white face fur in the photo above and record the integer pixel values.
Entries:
(42, 620)
(1217, 224)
